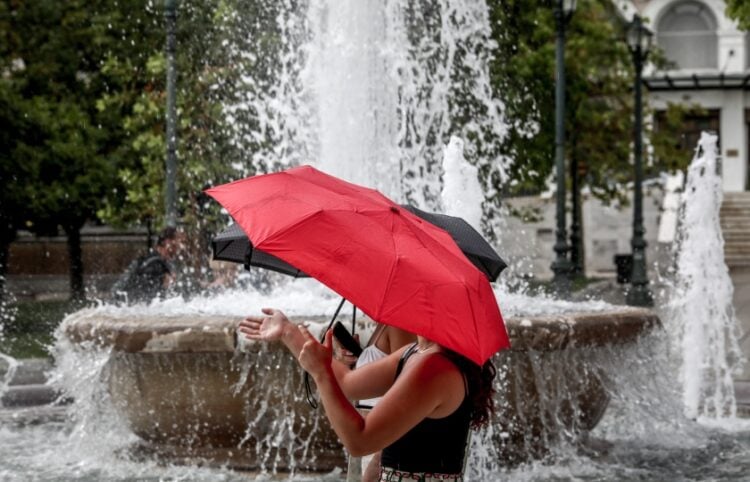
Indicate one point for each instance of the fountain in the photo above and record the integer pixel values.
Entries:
(703, 291)
(183, 387)
(368, 88)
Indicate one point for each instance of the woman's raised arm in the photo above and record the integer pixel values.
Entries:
(367, 382)
(432, 386)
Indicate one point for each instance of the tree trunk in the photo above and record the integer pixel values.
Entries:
(77, 292)
(6, 237)
(4, 250)
(149, 232)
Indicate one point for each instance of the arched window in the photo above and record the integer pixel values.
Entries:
(687, 34)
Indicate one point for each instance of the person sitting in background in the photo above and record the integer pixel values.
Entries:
(148, 276)
(384, 341)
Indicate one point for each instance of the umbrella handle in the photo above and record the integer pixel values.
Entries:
(248, 254)
(354, 319)
(308, 389)
(335, 315)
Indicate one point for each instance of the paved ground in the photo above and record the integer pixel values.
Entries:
(742, 392)
(741, 280)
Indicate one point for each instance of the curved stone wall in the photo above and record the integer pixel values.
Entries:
(186, 390)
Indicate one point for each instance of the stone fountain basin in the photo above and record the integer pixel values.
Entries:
(179, 382)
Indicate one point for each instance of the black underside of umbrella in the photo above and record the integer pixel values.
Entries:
(473, 244)
(232, 245)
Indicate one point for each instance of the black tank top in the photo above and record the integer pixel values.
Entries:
(436, 445)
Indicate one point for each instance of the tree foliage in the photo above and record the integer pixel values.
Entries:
(137, 72)
(83, 98)
(599, 96)
(62, 142)
(82, 102)
(739, 10)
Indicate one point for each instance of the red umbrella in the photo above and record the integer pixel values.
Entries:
(394, 266)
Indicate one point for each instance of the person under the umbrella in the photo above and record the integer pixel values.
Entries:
(431, 398)
(384, 341)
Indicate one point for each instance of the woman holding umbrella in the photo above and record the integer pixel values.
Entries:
(384, 341)
(400, 270)
(432, 396)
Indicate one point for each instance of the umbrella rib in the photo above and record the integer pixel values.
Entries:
(390, 275)
(315, 184)
(414, 230)
(477, 344)
(285, 229)
(460, 255)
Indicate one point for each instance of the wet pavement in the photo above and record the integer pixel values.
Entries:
(741, 281)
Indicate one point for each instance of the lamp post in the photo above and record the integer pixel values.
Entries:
(561, 266)
(576, 248)
(170, 198)
(639, 40)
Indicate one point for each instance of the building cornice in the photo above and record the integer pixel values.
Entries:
(697, 81)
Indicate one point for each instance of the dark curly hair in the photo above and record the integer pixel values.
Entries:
(480, 383)
(170, 232)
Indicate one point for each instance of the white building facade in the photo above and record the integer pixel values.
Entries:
(709, 67)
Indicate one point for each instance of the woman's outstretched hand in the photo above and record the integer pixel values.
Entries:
(265, 328)
(315, 357)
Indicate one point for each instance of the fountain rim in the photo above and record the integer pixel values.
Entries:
(200, 333)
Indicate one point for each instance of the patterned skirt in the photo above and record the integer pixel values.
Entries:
(388, 474)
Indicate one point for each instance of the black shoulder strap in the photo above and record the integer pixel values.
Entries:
(456, 360)
(405, 356)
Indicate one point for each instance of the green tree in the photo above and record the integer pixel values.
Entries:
(599, 97)
(83, 114)
(739, 10)
(598, 92)
(15, 132)
(138, 70)
(15, 169)
(64, 141)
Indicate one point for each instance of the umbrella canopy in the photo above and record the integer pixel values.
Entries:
(232, 245)
(471, 243)
(394, 266)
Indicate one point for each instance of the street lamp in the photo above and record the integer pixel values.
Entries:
(561, 266)
(576, 246)
(170, 198)
(639, 40)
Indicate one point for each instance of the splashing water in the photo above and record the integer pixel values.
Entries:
(367, 90)
(642, 436)
(702, 315)
(8, 364)
(370, 91)
(462, 194)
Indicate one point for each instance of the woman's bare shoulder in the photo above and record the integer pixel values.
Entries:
(434, 367)
(397, 338)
